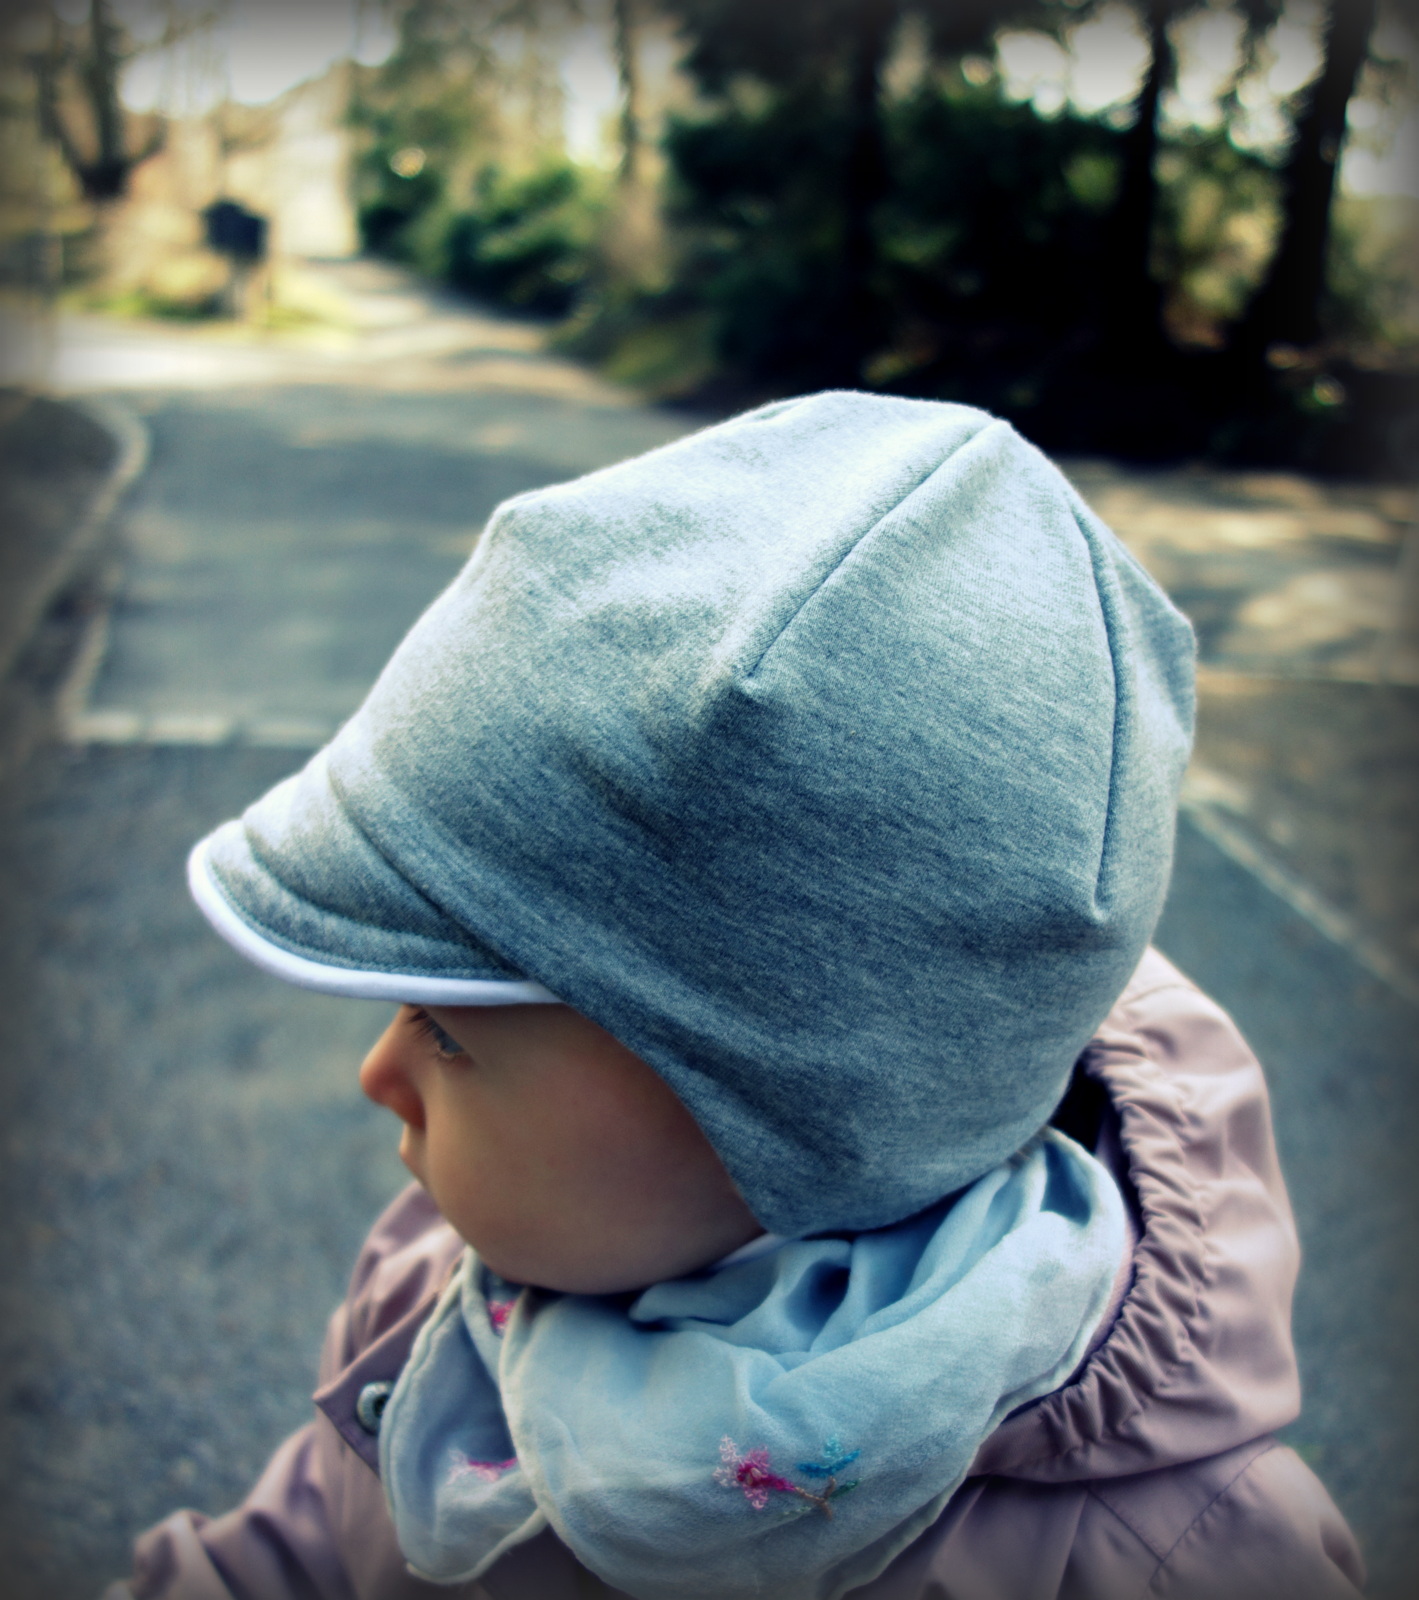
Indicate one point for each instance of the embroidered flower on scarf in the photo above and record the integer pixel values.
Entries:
(498, 1313)
(835, 1459)
(752, 1472)
(484, 1471)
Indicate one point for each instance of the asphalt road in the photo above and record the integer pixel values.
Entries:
(189, 1167)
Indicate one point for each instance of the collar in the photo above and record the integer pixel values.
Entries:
(372, 1374)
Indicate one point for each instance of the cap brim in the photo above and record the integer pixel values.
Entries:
(350, 982)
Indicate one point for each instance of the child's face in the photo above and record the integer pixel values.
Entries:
(557, 1154)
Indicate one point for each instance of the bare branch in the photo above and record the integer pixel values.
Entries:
(47, 67)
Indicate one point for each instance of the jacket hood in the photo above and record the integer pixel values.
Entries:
(1199, 1358)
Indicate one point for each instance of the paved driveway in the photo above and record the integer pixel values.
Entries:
(189, 1166)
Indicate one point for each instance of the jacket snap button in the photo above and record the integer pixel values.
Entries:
(369, 1408)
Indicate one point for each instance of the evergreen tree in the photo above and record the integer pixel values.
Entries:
(1287, 307)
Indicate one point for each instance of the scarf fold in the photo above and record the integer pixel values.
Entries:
(781, 1425)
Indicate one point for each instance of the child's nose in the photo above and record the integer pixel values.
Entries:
(386, 1078)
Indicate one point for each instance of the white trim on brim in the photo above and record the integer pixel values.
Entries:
(405, 988)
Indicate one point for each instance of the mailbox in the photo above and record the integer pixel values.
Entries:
(234, 231)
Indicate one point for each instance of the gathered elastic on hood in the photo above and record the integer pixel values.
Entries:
(1199, 1358)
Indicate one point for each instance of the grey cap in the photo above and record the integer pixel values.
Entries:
(828, 758)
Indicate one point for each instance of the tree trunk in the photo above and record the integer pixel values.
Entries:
(864, 176)
(1286, 309)
(628, 69)
(1132, 310)
(102, 176)
(108, 173)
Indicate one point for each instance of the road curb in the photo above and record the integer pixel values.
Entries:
(131, 448)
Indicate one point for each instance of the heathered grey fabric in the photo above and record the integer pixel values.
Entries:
(828, 758)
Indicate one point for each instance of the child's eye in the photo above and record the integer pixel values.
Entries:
(446, 1046)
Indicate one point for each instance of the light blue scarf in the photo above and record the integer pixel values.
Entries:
(781, 1425)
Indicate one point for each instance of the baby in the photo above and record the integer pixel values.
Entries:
(821, 1188)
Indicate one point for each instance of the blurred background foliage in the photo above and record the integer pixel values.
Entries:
(845, 193)
(817, 192)
(461, 174)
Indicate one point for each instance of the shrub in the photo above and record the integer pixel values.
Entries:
(528, 241)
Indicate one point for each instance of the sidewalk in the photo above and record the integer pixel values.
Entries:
(358, 322)
(1305, 597)
(63, 469)
(54, 458)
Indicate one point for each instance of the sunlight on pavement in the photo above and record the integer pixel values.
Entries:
(1282, 576)
(353, 322)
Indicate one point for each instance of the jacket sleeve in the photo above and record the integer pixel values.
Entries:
(315, 1526)
(1274, 1531)
(1254, 1525)
(277, 1545)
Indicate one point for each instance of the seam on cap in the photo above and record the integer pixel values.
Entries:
(862, 538)
(1116, 624)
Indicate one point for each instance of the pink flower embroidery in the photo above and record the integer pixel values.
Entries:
(498, 1313)
(752, 1473)
(484, 1471)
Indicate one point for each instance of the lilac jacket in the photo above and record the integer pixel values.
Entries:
(1151, 1473)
